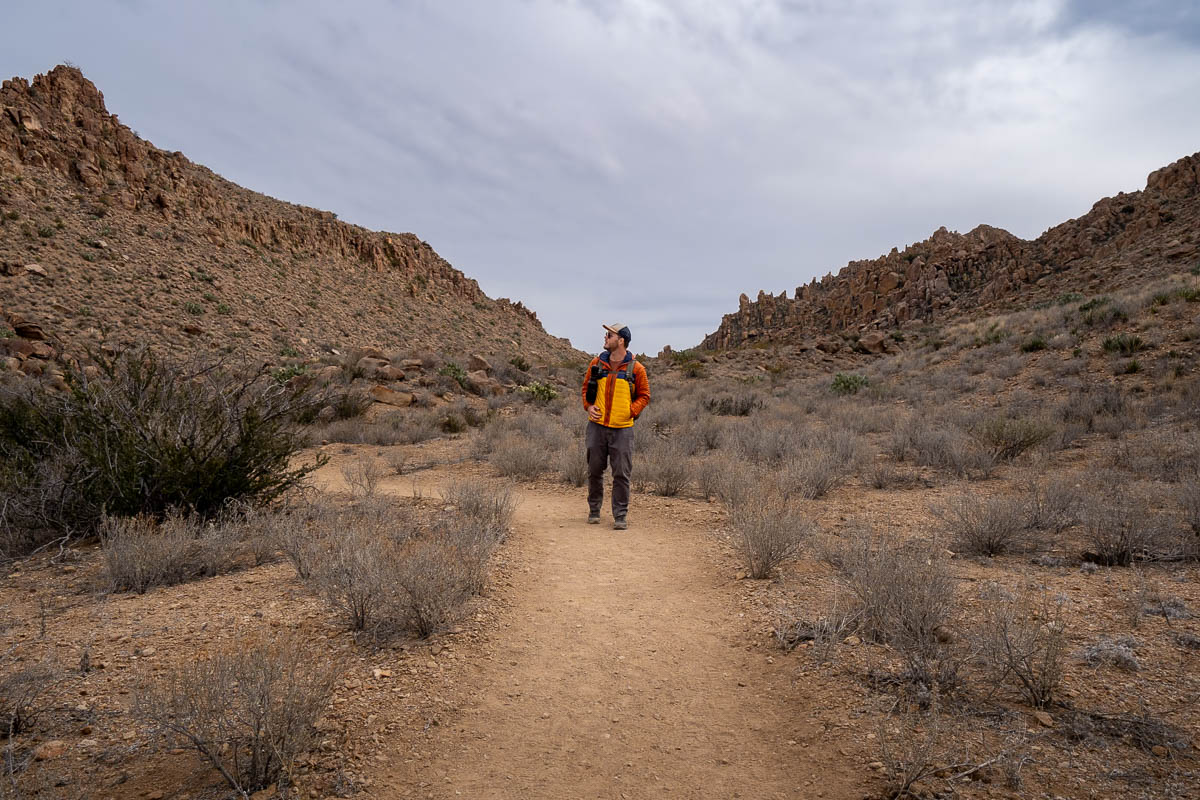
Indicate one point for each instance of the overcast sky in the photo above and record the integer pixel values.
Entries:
(646, 161)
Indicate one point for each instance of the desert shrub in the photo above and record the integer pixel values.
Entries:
(142, 552)
(766, 444)
(249, 708)
(23, 686)
(1052, 504)
(489, 504)
(984, 526)
(949, 448)
(1006, 438)
(457, 374)
(362, 475)
(437, 575)
(766, 533)
(1034, 344)
(1124, 343)
(520, 363)
(740, 404)
(1107, 652)
(912, 746)
(539, 392)
(905, 593)
(147, 436)
(516, 456)
(1118, 524)
(883, 474)
(848, 383)
(351, 404)
(665, 468)
(572, 465)
(1023, 640)
(809, 474)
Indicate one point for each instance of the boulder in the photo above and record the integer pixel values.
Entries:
(48, 750)
(327, 374)
(478, 363)
(369, 365)
(389, 373)
(873, 342)
(36, 270)
(41, 350)
(382, 394)
(412, 364)
(26, 328)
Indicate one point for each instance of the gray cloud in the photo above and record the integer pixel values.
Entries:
(648, 160)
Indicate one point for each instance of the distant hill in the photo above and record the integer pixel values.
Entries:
(105, 240)
(1124, 239)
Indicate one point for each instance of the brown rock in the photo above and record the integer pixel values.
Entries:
(389, 373)
(873, 342)
(382, 394)
(36, 270)
(412, 364)
(192, 329)
(1044, 719)
(26, 328)
(48, 750)
(11, 363)
(370, 365)
(478, 362)
(41, 350)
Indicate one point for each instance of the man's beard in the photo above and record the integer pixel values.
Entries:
(608, 348)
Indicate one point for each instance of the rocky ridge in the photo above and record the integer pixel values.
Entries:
(1131, 236)
(107, 241)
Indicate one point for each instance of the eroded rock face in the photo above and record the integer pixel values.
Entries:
(951, 273)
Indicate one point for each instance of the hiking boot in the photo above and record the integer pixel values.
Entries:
(620, 524)
(594, 518)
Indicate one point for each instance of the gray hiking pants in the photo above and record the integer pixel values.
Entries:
(607, 446)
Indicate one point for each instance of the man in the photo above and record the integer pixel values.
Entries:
(620, 392)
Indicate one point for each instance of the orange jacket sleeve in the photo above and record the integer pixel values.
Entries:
(643, 390)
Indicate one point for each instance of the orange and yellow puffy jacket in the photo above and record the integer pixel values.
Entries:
(618, 402)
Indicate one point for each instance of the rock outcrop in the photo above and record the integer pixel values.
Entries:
(138, 239)
(952, 274)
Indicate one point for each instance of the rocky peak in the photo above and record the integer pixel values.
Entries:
(951, 274)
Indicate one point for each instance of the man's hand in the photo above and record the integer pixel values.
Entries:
(593, 413)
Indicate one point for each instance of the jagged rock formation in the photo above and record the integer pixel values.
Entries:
(105, 240)
(951, 274)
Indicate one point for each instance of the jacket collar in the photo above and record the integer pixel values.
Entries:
(628, 357)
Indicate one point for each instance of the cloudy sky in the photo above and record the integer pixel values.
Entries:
(647, 161)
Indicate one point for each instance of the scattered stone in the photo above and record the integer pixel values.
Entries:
(36, 269)
(378, 673)
(853, 641)
(48, 750)
(1044, 719)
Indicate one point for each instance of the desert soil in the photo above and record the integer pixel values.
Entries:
(617, 665)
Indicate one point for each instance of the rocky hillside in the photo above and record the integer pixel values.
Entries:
(1123, 239)
(107, 241)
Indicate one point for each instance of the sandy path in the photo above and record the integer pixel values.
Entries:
(620, 670)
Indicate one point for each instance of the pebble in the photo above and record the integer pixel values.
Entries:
(51, 749)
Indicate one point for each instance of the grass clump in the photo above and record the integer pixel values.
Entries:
(1023, 640)
(1124, 343)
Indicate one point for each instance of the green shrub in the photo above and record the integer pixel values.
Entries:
(520, 363)
(1068, 298)
(285, 374)
(146, 436)
(1038, 342)
(540, 393)
(848, 383)
(195, 309)
(1124, 343)
(452, 370)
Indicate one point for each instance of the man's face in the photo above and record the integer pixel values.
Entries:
(611, 340)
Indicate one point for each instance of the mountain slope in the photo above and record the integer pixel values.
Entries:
(1130, 237)
(107, 240)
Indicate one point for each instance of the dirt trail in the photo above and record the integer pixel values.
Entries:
(620, 669)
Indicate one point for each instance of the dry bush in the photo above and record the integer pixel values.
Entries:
(1118, 524)
(141, 552)
(1052, 504)
(362, 476)
(486, 503)
(883, 474)
(905, 594)
(949, 448)
(1023, 639)
(23, 684)
(793, 625)
(397, 460)
(519, 457)
(765, 444)
(303, 533)
(766, 532)
(573, 465)
(666, 469)
(1005, 438)
(911, 745)
(984, 526)
(436, 579)
(1107, 652)
(248, 708)
(809, 474)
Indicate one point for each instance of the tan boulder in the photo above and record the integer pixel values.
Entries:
(328, 374)
(382, 394)
(48, 750)
(412, 364)
(389, 373)
(478, 363)
(35, 269)
(26, 328)
(41, 350)
(873, 342)
(369, 365)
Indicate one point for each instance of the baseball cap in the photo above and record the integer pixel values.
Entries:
(620, 329)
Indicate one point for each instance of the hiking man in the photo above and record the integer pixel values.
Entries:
(615, 392)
